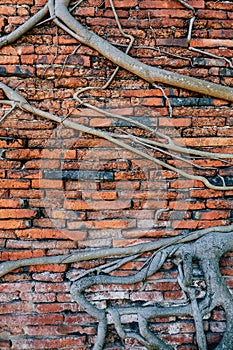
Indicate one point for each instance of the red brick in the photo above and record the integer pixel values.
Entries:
(197, 224)
(48, 267)
(15, 287)
(26, 193)
(51, 287)
(77, 235)
(22, 154)
(186, 184)
(16, 307)
(12, 224)
(205, 193)
(200, 43)
(122, 3)
(211, 14)
(31, 319)
(41, 233)
(79, 319)
(96, 205)
(17, 213)
(22, 254)
(10, 203)
(14, 144)
(14, 183)
(44, 222)
(101, 224)
(100, 195)
(214, 215)
(170, 4)
(219, 204)
(7, 10)
(5, 344)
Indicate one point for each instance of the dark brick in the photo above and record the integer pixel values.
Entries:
(191, 101)
(81, 175)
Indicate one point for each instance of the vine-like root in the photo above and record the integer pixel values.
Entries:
(207, 251)
(61, 15)
(21, 102)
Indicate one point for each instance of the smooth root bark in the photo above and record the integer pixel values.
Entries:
(207, 250)
(9, 266)
(23, 104)
(144, 71)
(60, 14)
(24, 28)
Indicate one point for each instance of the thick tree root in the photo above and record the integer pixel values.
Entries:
(205, 246)
(207, 250)
(21, 102)
(61, 16)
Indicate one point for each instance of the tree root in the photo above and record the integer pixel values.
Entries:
(24, 28)
(59, 12)
(23, 104)
(205, 246)
(207, 250)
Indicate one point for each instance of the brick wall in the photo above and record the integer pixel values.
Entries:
(61, 190)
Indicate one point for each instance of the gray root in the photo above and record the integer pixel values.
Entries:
(206, 246)
(59, 12)
(151, 74)
(23, 104)
(9, 266)
(24, 28)
(207, 250)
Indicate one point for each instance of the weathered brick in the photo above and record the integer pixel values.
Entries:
(122, 3)
(7, 10)
(12, 224)
(46, 233)
(119, 208)
(51, 287)
(12, 184)
(219, 204)
(211, 42)
(205, 193)
(10, 203)
(38, 297)
(11, 255)
(16, 287)
(58, 343)
(17, 213)
(96, 205)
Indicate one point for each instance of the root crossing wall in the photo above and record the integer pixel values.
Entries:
(61, 190)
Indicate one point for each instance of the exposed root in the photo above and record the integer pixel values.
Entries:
(63, 18)
(22, 103)
(205, 249)
(206, 246)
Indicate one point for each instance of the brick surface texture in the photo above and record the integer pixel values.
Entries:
(61, 190)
